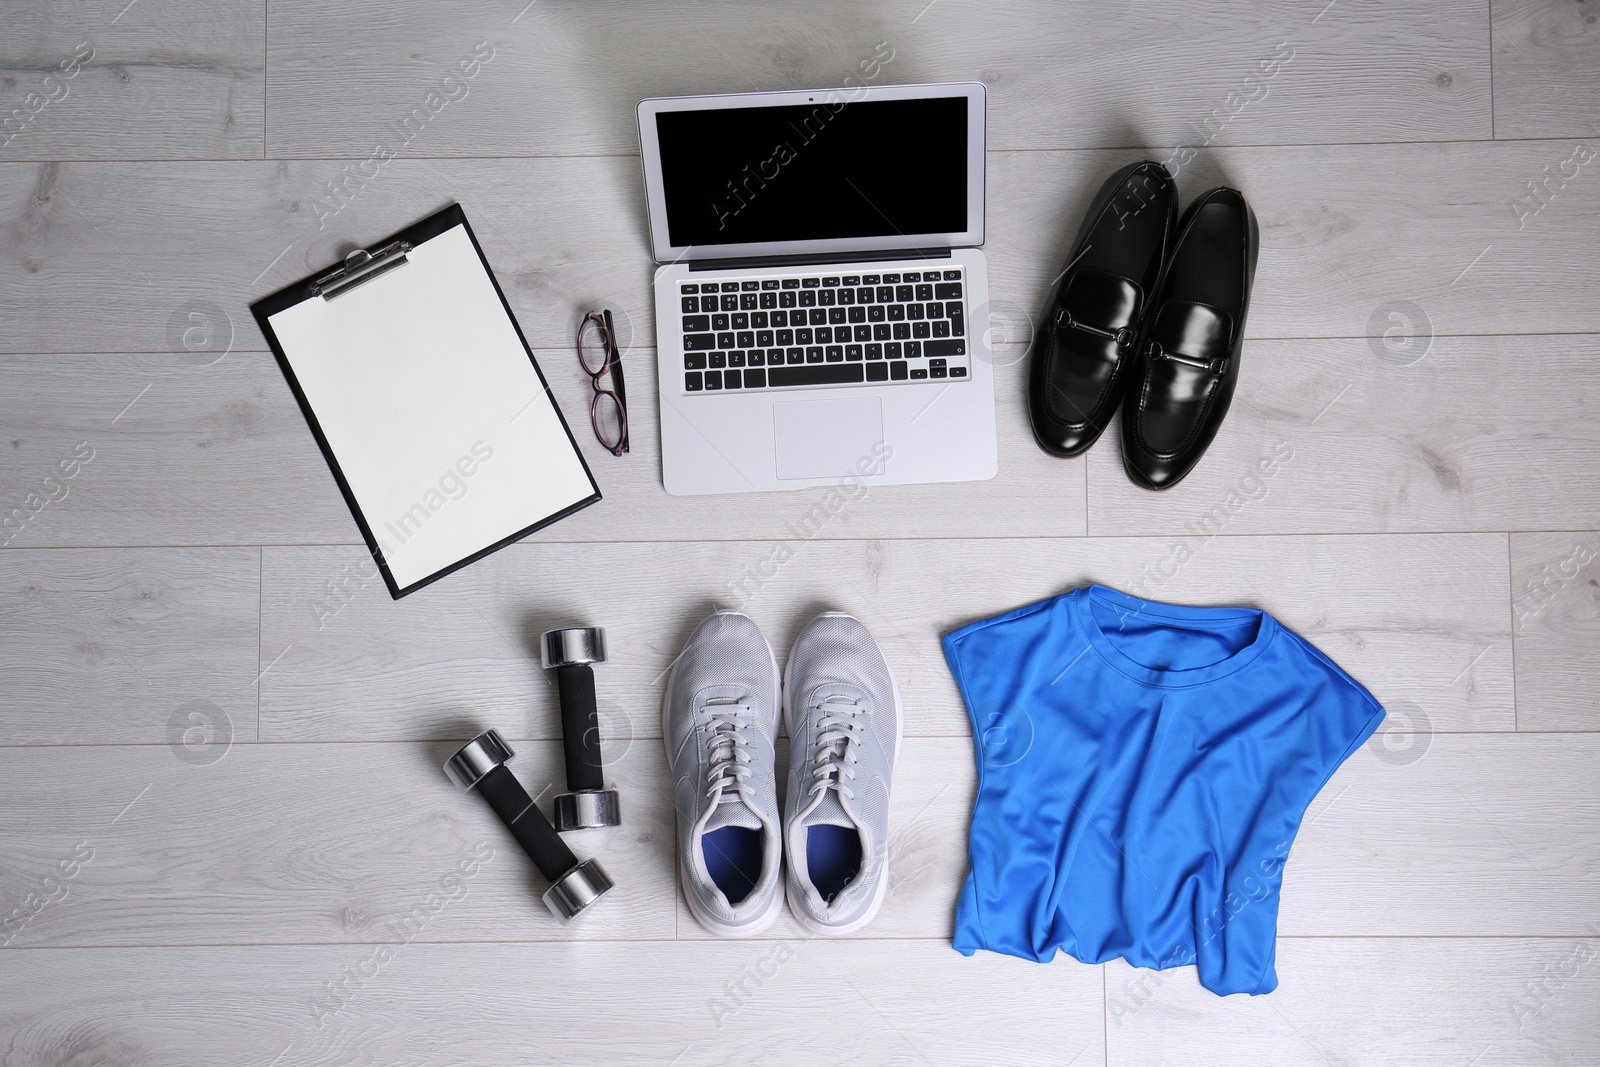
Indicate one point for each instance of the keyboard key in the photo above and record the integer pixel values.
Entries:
(755, 379)
(911, 276)
(735, 359)
(850, 279)
(897, 371)
(892, 350)
(830, 283)
(881, 331)
(719, 321)
(756, 357)
(896, 312)
(936, 310)
(933, 372)
(730, 287)
(769, 300)
(958, 322)
(905, 293)
(785, 337)
(857, 313)
(864, 295)
(890, 279)
(916, 311)
(764, 338)
(925, 292)
(919, 373)
(758, 320)
(877, 372)
(809, 283)
(948, 291)
(808, 299)
(874, 351)
(694, 361)
(847, 296)
(825, 297)
(870, 279)
(699, 342)
(741, 320)
(750, 287)
(824, 335)
(713, 380)
(958, 372)
(814, 354)
(837, 315)
(730, 302)
(692, 382)
(941, 328)
(875, 313)
(932, 363)
(691, 304)
(954, 346)
(718, 360)
(952, 276)
(769, 283)
(863, 332)
(696, 323)
(786, 299)
(745, 338)
(790, 283)
(931, 275)
(919, 329)
(818, 316)
(780, 318)
(914, 350)
(852, 352)
(725, 340)
(902, 330)
(793, 356)
(826, 374)
(749, 301)
(835, 353)
(733, 379)
(884, 293)
(689, 287)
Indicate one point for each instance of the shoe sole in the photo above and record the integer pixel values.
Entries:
(768, 917)
(883, 881)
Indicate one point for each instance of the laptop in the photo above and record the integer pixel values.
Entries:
(822, 304)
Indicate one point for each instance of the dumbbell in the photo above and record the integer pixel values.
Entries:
(587, 802)
(481, 764)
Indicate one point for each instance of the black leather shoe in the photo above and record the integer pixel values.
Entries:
(1080, 364)
(1190, 346)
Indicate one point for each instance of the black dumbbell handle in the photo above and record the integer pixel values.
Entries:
(580, 727)
(527, 823)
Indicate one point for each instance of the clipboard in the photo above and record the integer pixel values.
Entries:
(424, 397)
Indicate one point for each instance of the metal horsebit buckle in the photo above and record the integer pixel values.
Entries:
(1124, 337)
(1216, 366)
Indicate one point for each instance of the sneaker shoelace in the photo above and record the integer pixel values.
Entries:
(730, 761)
(839, 730)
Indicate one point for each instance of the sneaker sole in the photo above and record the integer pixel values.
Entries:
(883, 880)
(768, 917)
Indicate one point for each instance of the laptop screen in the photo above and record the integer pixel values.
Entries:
(815, 171)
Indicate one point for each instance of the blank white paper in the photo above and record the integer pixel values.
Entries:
(432, 408)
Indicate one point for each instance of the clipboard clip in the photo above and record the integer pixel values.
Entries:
(360, 266)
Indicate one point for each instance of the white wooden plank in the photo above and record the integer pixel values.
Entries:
(127, 645)
(1484, 1002)
(565, 235)
(1555, 587)
(85, 79)
(1546, 75)
(1057, 78)
(258, 843)
(597, 1002)
(1427, 630)
(1327, 435)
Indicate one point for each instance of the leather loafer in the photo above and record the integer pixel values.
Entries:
(1189, 349)
(1082, 355)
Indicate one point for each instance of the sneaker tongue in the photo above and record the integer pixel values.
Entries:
(829, 812)
(731, 810)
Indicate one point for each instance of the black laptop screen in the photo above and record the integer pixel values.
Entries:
(821, 171)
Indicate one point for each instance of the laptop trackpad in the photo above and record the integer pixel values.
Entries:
(829, 438)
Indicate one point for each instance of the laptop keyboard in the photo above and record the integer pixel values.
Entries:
(824, 329)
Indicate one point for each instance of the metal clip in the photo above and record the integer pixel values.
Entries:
(360, 266)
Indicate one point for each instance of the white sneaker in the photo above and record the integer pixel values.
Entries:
(719, 720)
(842, 709)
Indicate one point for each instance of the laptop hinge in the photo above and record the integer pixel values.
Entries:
(814, 259)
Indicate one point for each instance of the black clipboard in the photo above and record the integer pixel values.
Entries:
(369, 344)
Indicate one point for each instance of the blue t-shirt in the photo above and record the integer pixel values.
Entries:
(1142, 770)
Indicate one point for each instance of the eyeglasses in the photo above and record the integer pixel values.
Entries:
(608, 409)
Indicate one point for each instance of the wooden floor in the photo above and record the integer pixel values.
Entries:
(224, 836)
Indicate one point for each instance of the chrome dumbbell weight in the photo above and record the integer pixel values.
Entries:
(570, 652)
